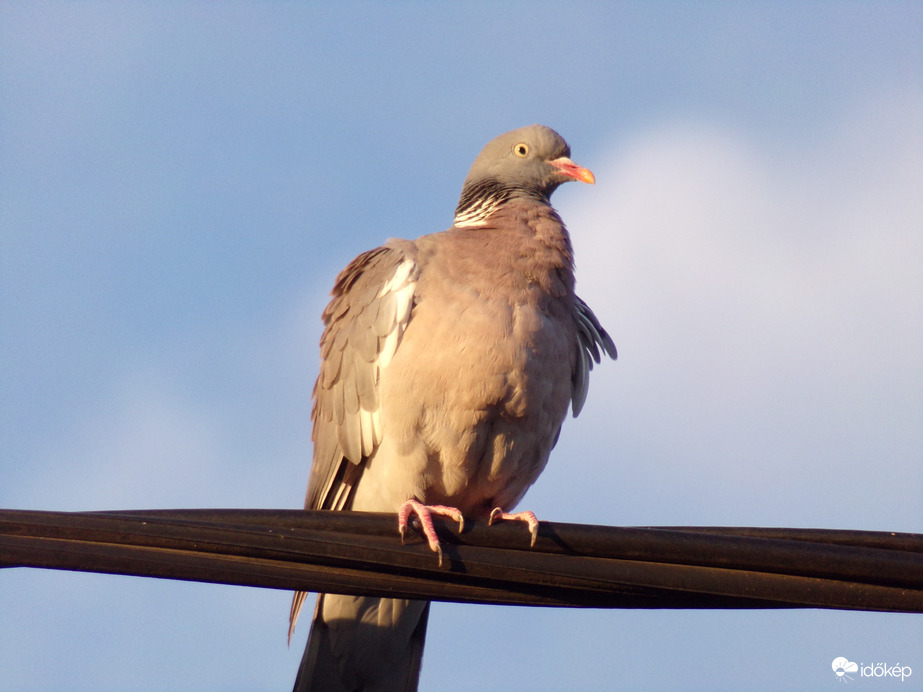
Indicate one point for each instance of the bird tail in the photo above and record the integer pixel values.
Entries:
(363, 643)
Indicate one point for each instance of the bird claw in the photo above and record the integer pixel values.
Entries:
(424, 514)
(497, 514)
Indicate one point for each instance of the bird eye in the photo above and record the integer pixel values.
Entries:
(521, 150)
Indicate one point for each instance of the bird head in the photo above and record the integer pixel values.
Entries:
(535, 159)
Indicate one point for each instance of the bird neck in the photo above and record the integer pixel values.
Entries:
(481, 198)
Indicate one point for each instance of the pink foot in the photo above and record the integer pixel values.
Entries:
(424, 513)
(497, 514)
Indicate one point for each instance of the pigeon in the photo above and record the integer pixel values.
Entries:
(448, 364)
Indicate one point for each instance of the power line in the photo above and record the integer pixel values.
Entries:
(570, 565)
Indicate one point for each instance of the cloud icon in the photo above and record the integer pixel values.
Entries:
(841, 666)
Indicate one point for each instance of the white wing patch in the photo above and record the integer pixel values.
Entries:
(397, 294)
(395, 300)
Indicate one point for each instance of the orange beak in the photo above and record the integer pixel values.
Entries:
(572, 170)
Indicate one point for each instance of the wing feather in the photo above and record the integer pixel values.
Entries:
(370, 308)
(384, 320)
(591, 337)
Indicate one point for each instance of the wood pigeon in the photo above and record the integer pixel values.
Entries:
(447, 367)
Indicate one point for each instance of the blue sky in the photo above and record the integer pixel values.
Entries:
(180, 183)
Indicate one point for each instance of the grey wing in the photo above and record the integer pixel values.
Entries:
(591, 337)
(364, 322)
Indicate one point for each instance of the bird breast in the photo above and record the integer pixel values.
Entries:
(481, 382)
